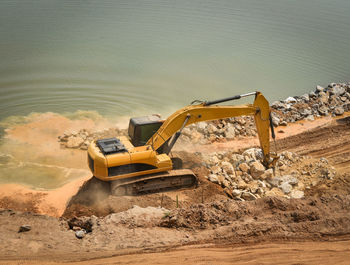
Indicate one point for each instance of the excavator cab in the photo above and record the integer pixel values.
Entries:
(141, 129)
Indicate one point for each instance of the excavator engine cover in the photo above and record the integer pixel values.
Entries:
(110, 146)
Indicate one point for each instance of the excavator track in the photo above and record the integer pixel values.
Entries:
(165, 181)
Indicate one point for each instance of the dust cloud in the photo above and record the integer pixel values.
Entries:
(36, 173)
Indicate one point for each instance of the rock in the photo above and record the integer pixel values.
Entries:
(235, 158)
(274, 192)
(80, 233)
(338, 111)
(244, 167)
(253, 153)
(312, 94)
(290, 100)
(248, 196)
(74, 142)
(221, 179)
(283, 123)
(310, 118)
(201, 126)
(323, 110)
(241, 184)
(289, 179)
(230, 132)
(227, 167)
(305, 97)
(213, 178)
(253, 187)
(256, 169)
(211, 128)
(24, 228)
(275, 181)
(337, 90)
(286, 187)
(241, 120)
(288, 155)
(319, 88)
(323, 97)
(236, 193)
(214, 160)
(297, 194)
(215, 169)
(268, 174)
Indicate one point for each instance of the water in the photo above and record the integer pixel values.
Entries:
(132, 57)
(124, 58)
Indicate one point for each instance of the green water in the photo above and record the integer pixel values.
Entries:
(132, 57)
(123, 58)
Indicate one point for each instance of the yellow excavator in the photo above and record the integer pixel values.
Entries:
(141, 163)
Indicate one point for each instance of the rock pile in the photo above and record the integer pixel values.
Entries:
(244, 177)
(333, 100)
(83, 138)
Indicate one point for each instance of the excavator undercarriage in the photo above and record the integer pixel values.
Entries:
(141, 163)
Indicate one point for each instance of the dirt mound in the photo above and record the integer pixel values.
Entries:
(268, 217)
(331, 141)
(90, 200)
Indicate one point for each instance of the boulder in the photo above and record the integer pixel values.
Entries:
(256, 169)
(274, 192)
(275, 181)
(236, 193)
(339, 111)
(244, 167)
(323, 110)
(290, 100)
(211, 129)
(268, 174)
(286, 187)
(337, 90)
(289, 179)
(201, 126)
(227, 167)
(323, 97)
(319, 88)
(248, 196)
(305, 97)
(310, 118)
(253, 153)
(230, 132)
(297, 194)
(80, 233)
(213, 178)
(283, 123)
(213, 160)
(235, 158)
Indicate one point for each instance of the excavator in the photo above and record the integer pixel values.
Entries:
(141, 163)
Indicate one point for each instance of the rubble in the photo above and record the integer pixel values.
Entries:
(332, 100)
(83, 138)
(247, 179)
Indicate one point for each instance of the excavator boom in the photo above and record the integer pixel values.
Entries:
(206, 111)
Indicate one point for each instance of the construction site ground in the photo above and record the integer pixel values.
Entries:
(206, 227)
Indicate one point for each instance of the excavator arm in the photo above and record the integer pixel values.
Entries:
(210, 111)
